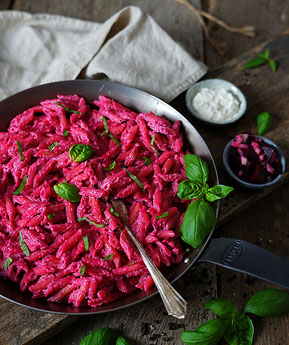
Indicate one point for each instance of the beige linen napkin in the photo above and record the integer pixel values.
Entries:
(128, 48)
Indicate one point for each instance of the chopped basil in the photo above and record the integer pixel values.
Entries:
(51, 216)
(67, 191)
(80, 152)
(114, 212)
(119, 229)
(51, 147)
(131, 263)
(82, 270)
(91, 222)
(21, 187)
(65, 133)
(103, 119)
(146, 159)
(67, 109)
(23, 245)
(133, 177)
(20, 151)
(108, 257)
(162, 215)
(86, 243)
(7, 263)
(111, 166)
(152, 144)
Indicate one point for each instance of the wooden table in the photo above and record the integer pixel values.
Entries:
(265, 224)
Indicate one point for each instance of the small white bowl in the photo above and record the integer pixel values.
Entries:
(216, 84)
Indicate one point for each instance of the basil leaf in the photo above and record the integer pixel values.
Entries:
(162, 215)
(51, 216)
(108, 257)
(86, 243)
(114, 212)
(51, 147)
(196, 169)
(111, 166)
(67, 191)
(133, 177)
(67, 109)
(65, 133)
(272, 65)
(119, 229)
(82, 270)
(80, 152)
(21, 187)
(146, 159)
(218, 192)
(264, 121)
(199, 220)
(7, 263)
(269, 302)
(152, 145)
(241, 332)
(91, 222)
(259, 61)
(221, 307)
(103, 119)
(100, 337)
(23, 245)
(188, 190)
(121, 341)
(265, 54)
(209, 333)
(114, 139)
(20, 151)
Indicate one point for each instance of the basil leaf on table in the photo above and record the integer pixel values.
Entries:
(199, 220)
(272, 65)
(218, 192)
(269, 302)
(67, 191)
(209, 333)
(80, 152)
(188, 190)
(196, 169)
(221, 307)
(100, 337)
(241, 332)
(259, 61)
(121, 341)
(265, 54)
(264, 121)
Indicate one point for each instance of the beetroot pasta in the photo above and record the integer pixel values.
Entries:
(61, 163)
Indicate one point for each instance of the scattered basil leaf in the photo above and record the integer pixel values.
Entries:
(21, 186)
(82, 270)
(162, 215)
(265, 54)
(114, 139)
(114, 212)
(52, 146)
(131, 263)
(196, 169)
(221, 307)
(67, 191)
(264, 121)
(67, 109)
(20, 151)
(108, 257)
(209, 333)
(7, 263)
(51, 216)
(272, 65)
(269, 302)
(103, 119)
(23, 245)
(152, 145)
(241, 332)
(65, 133)
(263, 58)
(86, 243)
(80, 152)
(199, 220)
(146, 159)
(121, 341)
(218, 192)
(133, 177)
(91, 222)
(111, 166)
(100, 337)
(259, 61)
(119, 229)
(188, 190)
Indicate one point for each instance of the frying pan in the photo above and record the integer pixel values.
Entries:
(234, 254)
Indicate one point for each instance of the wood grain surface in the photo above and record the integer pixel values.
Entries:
(265, 224)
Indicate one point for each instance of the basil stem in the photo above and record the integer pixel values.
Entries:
(20, 151)
(67, 109)
(23, 245)
(21, 187)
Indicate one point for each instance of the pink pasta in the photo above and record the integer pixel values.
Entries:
(79, 252)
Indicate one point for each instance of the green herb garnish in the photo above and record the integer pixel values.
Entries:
(21, 187)
(133, 177)
(103, 119)
(111, 166)
(86, 243)
(20, 151)
(67, 109)
(91, 222)
(23, 245)
(152, 145)
(52, 146)
(264, 121)
(121, 341)
(114, 212)
(162, 215)
(65, 133)
(80, 152)
(82, 270)
(108, 257)
(51, 216)
(101, 336)
(262, 59)
(67, 191)
(146, 159)
(119, 229)
(7, 263)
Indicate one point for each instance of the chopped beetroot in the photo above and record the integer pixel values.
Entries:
(253, 160)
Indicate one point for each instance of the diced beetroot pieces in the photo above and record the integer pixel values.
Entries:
(244, 160)
(270, 169)
(256, 147)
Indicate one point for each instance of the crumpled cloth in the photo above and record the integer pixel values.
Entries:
(129, 48)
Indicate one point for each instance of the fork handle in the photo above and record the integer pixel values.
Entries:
(173, 301)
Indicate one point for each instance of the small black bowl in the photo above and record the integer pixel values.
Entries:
(248, 184)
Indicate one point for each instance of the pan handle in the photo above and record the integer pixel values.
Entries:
(245, 257)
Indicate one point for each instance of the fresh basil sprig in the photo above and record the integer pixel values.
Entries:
(67, 191)
(80, 152)
(103, 336)
(235, 325)
(264, 121)
(200, 217)
(262, 59)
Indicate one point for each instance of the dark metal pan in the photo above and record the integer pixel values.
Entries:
(234, 254)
